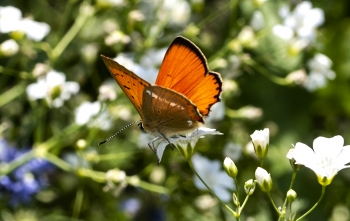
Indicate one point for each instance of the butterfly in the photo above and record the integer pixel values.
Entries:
(180, 99)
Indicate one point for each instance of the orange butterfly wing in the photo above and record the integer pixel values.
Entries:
(185, 70)
(132, 85)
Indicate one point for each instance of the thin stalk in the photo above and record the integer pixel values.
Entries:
(212, 192)
(273, 203)
(316, 204)
(7, 168)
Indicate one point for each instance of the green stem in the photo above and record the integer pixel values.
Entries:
(7, 168)
(290, 187)
(12, 72)
(135, 181)
(316, 204)
(261, 163)
(262, 70)
(192, 167)
(273, 203)
(12, 93)
(78, 200)
(72, 32)
(244, 203)
(59, 162)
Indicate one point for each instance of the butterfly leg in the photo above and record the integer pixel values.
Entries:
(165, 138)
(152, 147)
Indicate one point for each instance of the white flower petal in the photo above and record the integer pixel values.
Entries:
(283, 32)
(35, 30)
(328, 147)
(36, 91)
(303, 154)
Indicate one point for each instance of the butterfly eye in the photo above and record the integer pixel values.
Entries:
(141, 127)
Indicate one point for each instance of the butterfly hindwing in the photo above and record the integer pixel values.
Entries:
(185, 70)
(132, 85)
(163, 107)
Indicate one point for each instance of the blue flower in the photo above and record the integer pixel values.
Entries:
(28, 179)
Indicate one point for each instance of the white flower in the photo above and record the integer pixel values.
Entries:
(305, 19)
(11, 20)
(257, 22)
(53, 87)
(115, 37)
(86, 111)
(320, 72)
(263, 178)
(183, 142)
(147, 73)
(35, 30)
(9, 48)
(283, 32)
(260, 139)
(327, 157)
(214, 176)
(179, 11)
(107, 92)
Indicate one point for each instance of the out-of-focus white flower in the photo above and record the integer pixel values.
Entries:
(205, 202)
(178, 10)
(11, 20)
(214, 176)
(320, 72)
(185, 144)
(263, 178)
(153, 58)
(9, 48)
(297, 77)
(35, 30)
(217, 113)
(115, 37)
(233, 151)
(53, 87)
(107, 92)
(257, 22)
(329, 155)
(40, 69)
(283, 32)
(89, 53)
(147, 73)
(303, 20)
(87, 112)
(260, 139)
(136, 15)
(247, 37)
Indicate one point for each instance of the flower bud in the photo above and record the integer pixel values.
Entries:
(263, 179)
(235, 199)
(260, 139)
(230, 167)
(249, 187)
(291, 195)
(9, 48)
(292, 161)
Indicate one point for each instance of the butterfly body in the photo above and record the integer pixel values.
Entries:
(182, 95)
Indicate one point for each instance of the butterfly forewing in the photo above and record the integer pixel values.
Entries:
(132, 85)
(163, 107)
(185, 70)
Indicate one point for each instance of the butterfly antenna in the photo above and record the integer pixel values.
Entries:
(118, 132)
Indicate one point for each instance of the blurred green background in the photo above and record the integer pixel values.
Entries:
(285, 66)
